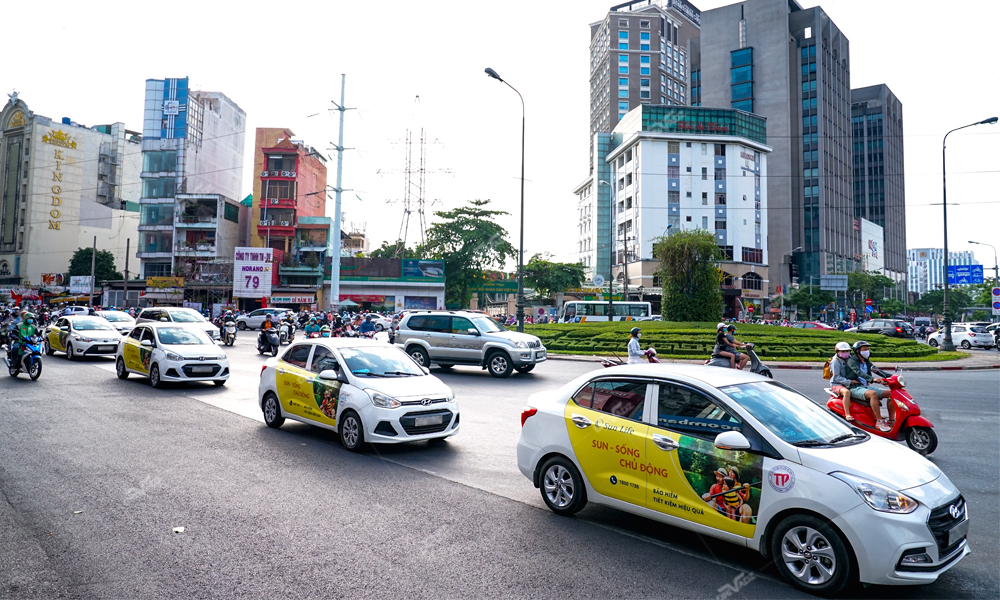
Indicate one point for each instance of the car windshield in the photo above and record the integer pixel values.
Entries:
(486, 325)
(790, 415)
(379, 361)
(91, 325)
(186, 316)
(116, 317)
(181, 336)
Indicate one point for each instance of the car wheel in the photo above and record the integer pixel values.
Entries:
(241, 326)
(272, 411)
(69, 352)
(120, 369)
(562, 487)
(352, 434)
(379, 327)
(48, 349)
(966, 345)
(499, 365)
(811, 555)
(420, 355)
(921, 440)
(154, 376)
(933, 343)
(219, 382)
(525, 369)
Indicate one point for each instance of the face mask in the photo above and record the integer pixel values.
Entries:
(865, 353)
(844, 354)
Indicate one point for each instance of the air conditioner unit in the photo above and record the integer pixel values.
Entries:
(285, 223)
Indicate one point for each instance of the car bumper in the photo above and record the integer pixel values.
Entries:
(528, 356)
(410, 423)
(96, 348)
(528, 456)
(191, 371)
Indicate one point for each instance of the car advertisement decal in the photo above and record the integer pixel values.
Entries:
(145, 355)
(53, 339)
(301, 395)
(611, 451)
(703, 484)
(781, 478)
(327, 394)
(63, 335)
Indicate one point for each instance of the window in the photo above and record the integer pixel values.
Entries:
(704, 220)
(135, 334)
(623, 106)
(281, 162)
(742, 57)
(720, 174)
(691, 412)
(704, 198)
(720, 199)
(147, 335)
(704, 170)
(623, 23)
(643, 83)
(643, 70)
(704, 149)
(742, 74)
(688, 219)
(742, 91)
(461, 325)
(644, 59)
(623, 35)
(158, 162)
(623, 70)
(298, 355)
(232, 213)
(159, 187)
(623, 81)
(673, 172)
(644, 36)
(643, 94)
(721, 226)
(644, 25)
(752, 281)
(720, 149)
(623, 58)
(623, 93)
(744, 105)
(322, 360)
(620, 398)
(623, 46)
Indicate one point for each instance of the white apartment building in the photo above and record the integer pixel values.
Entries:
(926, 267)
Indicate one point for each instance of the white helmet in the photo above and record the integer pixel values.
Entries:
(720, 326)
(843, 347)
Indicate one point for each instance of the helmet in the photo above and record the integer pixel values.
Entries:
(860, 344)
(325, 328)
(635, 331)
(267, 317)
(731, 327)
(720, 326)
(843, 347)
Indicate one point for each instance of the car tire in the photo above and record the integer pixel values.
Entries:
(69, 352)
(379, 327)
(352, 432)
(418, 354)
(48, 349)
(922, 440)
(499, 364)
(120, 369)
(966, 345)
(932, 343)
(562, 486)
(154, 376)
(525, 369)
(272, 411)
(219, 382)
(801, 542)
(241, 326)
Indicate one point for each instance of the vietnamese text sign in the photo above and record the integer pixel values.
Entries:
(80, 284)
(496, 286)
(965, 274)
(252, 272)
(162, 283)
(309, 299)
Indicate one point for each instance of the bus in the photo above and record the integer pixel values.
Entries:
(592, 311)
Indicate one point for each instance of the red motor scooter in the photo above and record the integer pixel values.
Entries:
(910, 425)
(650, 355)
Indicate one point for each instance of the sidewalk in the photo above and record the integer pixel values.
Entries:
(977, 360)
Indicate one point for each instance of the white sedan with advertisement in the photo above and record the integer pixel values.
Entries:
(748, 460)
(171, 352)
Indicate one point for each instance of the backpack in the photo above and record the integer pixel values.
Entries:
(827, 370)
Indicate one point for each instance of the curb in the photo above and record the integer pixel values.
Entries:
(805, 367)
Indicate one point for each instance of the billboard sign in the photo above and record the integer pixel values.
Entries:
(423, 270)
(252, 272)
(80, 284)
(833, 283)
(164, 283)
(872, 246)
(965, 274)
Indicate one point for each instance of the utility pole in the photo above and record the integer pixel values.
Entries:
(93, 263)
(335, 267)
(128, 242)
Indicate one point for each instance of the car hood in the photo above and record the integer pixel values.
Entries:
(403, 388)
(99, 334)
(194, 351)
(514, 336)
(877, 459)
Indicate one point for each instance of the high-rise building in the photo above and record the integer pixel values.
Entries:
(926, 267)
(792, 66)
(61, 184)
(879, 191)
(192, 169)
(638, 55)
(673, 168)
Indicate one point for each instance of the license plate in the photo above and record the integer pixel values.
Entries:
(201, 369)
(958, 532)
(540, 354)
(425, 421)
(107, 348)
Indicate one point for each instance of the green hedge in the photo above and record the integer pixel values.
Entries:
(695, 340)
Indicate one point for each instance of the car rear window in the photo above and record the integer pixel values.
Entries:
(978, 329)
(417, 323)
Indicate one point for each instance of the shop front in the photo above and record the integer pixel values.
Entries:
(391, 285)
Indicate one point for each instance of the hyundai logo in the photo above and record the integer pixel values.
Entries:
(426, 401)
(954, 511)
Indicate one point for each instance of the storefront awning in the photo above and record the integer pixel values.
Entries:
(164, 296)
(58, 299)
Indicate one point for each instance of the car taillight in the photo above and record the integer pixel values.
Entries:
(899, 330)
(262, 370)
(526, 412)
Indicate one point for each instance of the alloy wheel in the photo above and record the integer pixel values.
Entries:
(808, 555)
(350, 431)
(559, 486)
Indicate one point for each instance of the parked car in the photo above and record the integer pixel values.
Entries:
(449, 338)
(256, 318)
(965, 336)
(174, 314)
(888, 327)
(811, 325)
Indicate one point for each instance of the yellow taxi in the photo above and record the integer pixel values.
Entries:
(171, 352)
(81, 336)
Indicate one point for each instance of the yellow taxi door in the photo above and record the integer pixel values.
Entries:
(130, 350)
(294, 382)
(689, 477)
(326, 394)
(604, 420)
(54, 337)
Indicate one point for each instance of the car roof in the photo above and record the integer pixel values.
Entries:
(79, 317)
(339, 343)
(712, 376)
(158, 324)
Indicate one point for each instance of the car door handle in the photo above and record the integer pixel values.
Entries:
(580, 421)
(281, 371)
(665, 443)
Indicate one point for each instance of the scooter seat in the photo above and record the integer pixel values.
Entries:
(829, 391)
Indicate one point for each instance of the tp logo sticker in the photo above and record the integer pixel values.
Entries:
(781, 479)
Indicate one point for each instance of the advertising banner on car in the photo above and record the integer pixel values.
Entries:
(252, 272)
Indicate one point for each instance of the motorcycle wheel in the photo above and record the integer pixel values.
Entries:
(922, 440)
(13, 372)
(274, 350)
(35, 371)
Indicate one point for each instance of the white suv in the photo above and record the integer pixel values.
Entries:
(255, 319)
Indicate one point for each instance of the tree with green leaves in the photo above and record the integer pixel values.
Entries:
(809, 296)
(549, 278)
(394, 250)
(689, 269)
(933, 301)
(862, 285)
(104, 268)
(469, 241)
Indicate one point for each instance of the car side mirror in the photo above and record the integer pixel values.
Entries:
(164, 320)
(473, 331)
(330, 374)
(732, 440)
(146, 343)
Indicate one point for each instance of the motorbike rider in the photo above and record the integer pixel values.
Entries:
(367, 326)
(734, 344)
(24, 331)
(635, 353)
(864, 376)
(839, 383)
(266, 326)
(722, 347)
(312, 327)
(226, 318)
(324, 331)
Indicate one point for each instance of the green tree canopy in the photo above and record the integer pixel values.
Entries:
(808, 296)
(469, 242)
(862, 285)
(104, 268)
(933, 301)
(690, 274)
(549, 278)
(393, 250)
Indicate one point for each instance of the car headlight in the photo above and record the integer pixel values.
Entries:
(878, 496)
(173, 357)
(383, 401)
(80, 338)
(520, 344)
(222, 356)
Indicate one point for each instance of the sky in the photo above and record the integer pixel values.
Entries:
(419, 65)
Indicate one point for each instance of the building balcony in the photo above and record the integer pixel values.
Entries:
(196, 250)
(196, 222)
(276, 228)
(278, 174)
(277, 203)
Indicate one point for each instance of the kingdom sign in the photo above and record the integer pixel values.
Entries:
(57, 138)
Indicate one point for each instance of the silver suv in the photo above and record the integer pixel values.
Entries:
(449, 338)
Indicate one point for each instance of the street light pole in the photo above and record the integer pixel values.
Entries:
(520, 249)
(947, 344)
(783, 287)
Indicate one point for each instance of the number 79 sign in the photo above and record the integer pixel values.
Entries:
(252, 272)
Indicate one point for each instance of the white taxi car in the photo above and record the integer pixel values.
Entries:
(81, 336)
(745, 459)
(965, 336)
(171, 352)
(365, 390)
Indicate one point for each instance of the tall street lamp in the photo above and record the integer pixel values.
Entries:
(947, 345)
(520, 249)
(784, 289)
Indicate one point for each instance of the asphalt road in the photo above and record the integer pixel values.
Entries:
(95, 473)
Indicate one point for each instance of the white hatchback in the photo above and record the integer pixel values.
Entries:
(745, 459)
(964, 336)
(171, 352)
(366, 391)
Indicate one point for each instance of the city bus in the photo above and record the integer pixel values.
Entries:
(591, 311)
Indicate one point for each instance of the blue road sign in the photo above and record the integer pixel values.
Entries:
(869, 309)
(965, 274)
